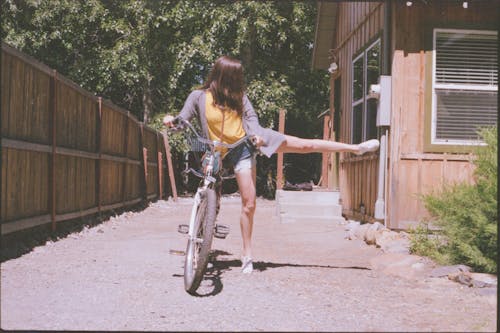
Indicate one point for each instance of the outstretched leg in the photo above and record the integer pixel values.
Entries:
(293, 144)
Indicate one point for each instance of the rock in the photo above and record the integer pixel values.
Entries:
(377, 226)
(443, 271)
(482, 280)
(397, 246)
(390, 241)
(384, 236)
(350, 228)
(351, 225)
(400, 264)
(461, 277)
(404, 234)
(370, 234)
(360, 231)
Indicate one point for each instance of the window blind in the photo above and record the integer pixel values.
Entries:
(467, 58)
(465, 84)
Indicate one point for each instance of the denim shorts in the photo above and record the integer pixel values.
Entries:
(245, 164)
(245, 159)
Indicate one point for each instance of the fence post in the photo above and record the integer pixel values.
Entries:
(159, 165)
(99, 152)
(125, 154)
(170, 166)
(279, 164)
(143, 163)
(52, 186)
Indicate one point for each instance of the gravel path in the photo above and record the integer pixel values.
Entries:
(120, 275)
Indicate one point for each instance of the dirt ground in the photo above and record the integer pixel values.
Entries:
(121, 276)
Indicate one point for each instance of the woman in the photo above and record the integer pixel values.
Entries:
(225, 112)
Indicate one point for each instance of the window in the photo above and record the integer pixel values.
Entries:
(366, 71)
(464, 85)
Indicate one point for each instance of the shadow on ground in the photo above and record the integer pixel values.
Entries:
(19, 243)
(212, 285)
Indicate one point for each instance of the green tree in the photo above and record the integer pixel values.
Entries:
(147, 55)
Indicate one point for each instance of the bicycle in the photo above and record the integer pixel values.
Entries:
(202, 227)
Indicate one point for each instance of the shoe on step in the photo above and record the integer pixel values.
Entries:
(368, 146)
(247, 265)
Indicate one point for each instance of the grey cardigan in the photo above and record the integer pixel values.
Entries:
(195, 107)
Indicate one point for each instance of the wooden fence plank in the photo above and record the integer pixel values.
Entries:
(53, 164)
(170, 166)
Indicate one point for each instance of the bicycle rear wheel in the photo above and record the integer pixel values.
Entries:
(198, 250)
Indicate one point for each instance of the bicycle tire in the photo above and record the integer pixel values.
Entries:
(197, 254)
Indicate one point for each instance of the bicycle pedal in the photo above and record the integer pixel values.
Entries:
(183, 229)
(221, 231)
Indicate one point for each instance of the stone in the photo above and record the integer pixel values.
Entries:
(397, 246)
(370, 234)
(443, 271)
(377, 226)
(360, 231)
(352, 225)
(461, 277)
(483, 280)
(384, 236)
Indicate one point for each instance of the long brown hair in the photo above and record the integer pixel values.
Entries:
(226, 83)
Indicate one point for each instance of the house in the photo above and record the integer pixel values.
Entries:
(421, 76)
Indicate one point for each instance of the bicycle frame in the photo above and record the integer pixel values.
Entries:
(210, 176)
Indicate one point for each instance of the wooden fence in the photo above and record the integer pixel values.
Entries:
(66, 153)
(359, 179)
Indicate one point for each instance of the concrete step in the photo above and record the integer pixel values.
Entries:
(314, 196)
(302, 206)
(310, 209)
(286, 218)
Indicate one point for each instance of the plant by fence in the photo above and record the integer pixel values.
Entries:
(67, 153)
(467, 216)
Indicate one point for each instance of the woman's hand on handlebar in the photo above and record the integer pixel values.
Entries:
(257, 141)
(168, 120)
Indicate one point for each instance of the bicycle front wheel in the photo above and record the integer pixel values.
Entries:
(198, 250)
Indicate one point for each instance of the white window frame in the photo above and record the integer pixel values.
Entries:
(454, 86)
(364, 99)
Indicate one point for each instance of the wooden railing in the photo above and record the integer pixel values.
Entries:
(66, 153)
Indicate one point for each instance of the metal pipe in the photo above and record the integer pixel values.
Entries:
(380, 203)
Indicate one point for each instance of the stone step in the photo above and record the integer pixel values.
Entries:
(310, 209)
(302, 206)
(286, 218)
(314, 196)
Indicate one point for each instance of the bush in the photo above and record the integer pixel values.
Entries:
(466, 215)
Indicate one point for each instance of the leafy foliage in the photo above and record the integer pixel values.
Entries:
(467, 215)
(147, 56)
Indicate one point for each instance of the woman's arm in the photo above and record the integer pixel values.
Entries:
(188, 111)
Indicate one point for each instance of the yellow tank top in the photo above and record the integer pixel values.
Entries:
(226, 123)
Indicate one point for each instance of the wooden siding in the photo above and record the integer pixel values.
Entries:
(412, 172)
(66, 153)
